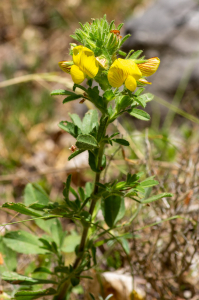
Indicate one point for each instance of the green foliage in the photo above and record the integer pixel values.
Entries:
(81, 205)
(113, 209)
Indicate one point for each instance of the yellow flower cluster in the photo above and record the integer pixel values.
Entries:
(122, 71)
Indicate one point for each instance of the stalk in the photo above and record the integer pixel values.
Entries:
(65, 285)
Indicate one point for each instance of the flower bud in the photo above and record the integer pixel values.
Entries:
(65, 65)
(143, 81)
(149, 67)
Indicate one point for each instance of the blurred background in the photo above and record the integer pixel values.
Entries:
(34, 37)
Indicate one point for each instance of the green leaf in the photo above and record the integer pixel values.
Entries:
(61, 92)
(75, 281)
(92, 162)
(67, 187)
(90, 121)
(102, 127)
(148, 183)
(81, 193)
(121, 142)
(9, 257)
(80, 87)
(109, 95)
(44, 224)
(92, 297)
(122, 102)
(71, 98)
(140, 101)
(124, 39)
(114, 134)
(86, 142)
(71, 128)
(70, 242)
(125, 245)
(22, 209)
(139, 91)
(77, 152)
(15, 278)
(113, 209)
(35, 193)
(31, 295)
(136, 54)
(42, 270)
(57, 232)
(140, 114)
(156, 197)
(76, 120)
(147, 97)
(23, 242)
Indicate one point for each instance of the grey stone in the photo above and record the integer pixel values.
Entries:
(169, 29)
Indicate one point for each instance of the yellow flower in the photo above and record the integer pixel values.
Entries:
(150, 67)
(85, 64)
(124, 71)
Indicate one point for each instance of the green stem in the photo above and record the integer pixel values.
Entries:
(65, 285)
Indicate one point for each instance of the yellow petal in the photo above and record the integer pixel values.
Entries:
(131, 83)
(77, 51)
(85, 59)
(88, 63)
(116, 74)
(130, 68)
(77, 75)
(150, 67)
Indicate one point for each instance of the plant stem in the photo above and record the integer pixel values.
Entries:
(65, 286)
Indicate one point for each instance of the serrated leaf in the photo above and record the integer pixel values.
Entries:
(90, 121)
(113, 209)
(140, 114)
(31, 295)
(86, 142)
(23, 242)
(77, 152)
(71, 128)
(156, 197)
(121, 142)
(22, 209)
